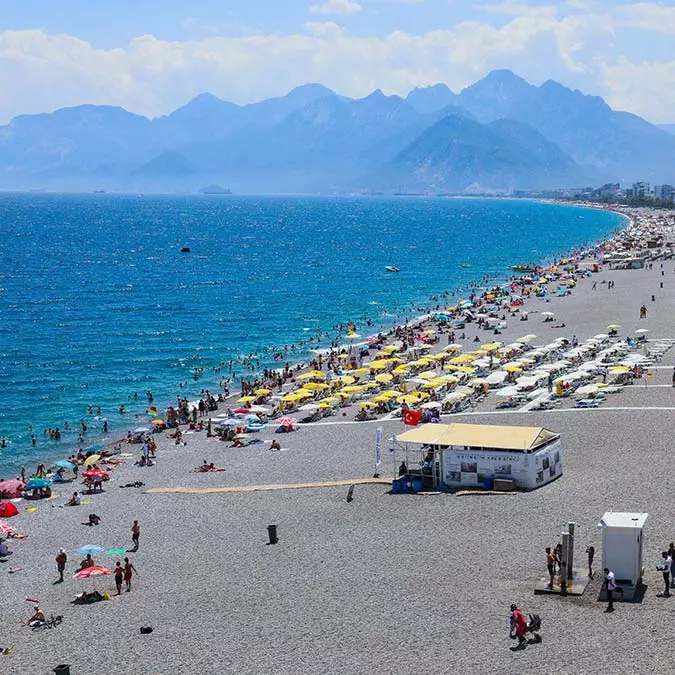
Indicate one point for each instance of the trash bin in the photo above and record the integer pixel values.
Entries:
(63, 669)
(489, 482)
(417, 484)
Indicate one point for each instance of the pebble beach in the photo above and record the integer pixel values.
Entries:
(384, 583)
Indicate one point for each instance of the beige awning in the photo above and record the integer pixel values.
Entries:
(513, 438)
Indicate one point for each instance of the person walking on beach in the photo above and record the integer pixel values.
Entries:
(610, 585)
(550, 565)
(61, 560)
(119, 576)
(665, 568)
(135, 534)
(129, 571)
(673, 376)
(591, 554)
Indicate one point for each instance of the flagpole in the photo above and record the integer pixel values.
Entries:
(378, 451)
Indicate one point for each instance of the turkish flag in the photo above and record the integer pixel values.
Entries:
(411, 417)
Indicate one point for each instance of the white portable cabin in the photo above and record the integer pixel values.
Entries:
(474, 455)
(622, 536)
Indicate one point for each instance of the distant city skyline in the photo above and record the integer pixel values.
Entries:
(151, 57)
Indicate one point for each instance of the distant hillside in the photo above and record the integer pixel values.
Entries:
(458, 153)
(501, 132)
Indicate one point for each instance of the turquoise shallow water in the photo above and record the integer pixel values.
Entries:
(97, 302)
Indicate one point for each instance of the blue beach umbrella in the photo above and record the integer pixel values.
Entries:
(37, 483)
(91, 549)
(64, 464)
(95, 448)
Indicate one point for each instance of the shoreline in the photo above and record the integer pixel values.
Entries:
(209, 381)
(204, 549)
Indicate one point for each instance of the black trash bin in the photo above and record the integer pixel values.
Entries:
(272, 532)
(63, 669)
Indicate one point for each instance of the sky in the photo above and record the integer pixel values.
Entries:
(151, 56)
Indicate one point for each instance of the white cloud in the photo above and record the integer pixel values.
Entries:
(336, 7)
(324, 28)
(41, 71)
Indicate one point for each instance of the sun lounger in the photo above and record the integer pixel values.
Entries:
(587, 403)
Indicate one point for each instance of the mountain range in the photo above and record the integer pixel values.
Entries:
(501, 133)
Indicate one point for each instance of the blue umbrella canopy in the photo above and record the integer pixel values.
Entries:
(64, 464)
(91, 549)
(36, 483)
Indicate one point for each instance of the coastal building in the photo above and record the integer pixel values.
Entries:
(640, 189)
(484, 455)
(664, 192)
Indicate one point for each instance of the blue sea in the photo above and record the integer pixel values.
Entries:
(97, 303)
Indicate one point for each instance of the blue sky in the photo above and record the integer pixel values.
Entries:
(150, 56)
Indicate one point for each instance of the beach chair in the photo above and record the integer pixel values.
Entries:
(588, 403)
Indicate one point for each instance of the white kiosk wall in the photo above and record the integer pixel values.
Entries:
(470, 466)
(622, 538)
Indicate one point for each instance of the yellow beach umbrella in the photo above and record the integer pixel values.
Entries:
(246, 399)
(450, 379)
(379, 365)
(92, 459)
(619, 369)
(390, 349)
(312, 375)
(329, 400)
(434, 384)
(313, 386)
(491, 346)
(428, 375)
(401, 370)
(429, 331)
(381, 399)
(369, 386)
(513, 369)
(361, 371)
(367, 404)
(412, 398)
(390, 393)
(384, 378)
(343, 379)
(462, 358)
(263, 392)
(343, 356)
(351, 389)
(453, 348)
(467, 369)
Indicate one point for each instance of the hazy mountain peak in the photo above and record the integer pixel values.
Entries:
(310, 92)
(431, 99)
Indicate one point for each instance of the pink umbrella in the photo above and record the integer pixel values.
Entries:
(286, 421)
(5, 529)
(11, 488)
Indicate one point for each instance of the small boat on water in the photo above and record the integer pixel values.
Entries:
(185, 249)
(466, 265)
(391, 268)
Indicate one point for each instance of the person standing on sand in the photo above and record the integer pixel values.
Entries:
(61, 560)
(119, 576)
(129, 571)
(135, 534)
(673, 376)
(666, 567)
(550, 565)
(610, 585)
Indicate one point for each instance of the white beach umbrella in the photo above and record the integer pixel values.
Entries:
(548, 313)
(309, 407)
(641, 331)
(526, 339)
(508, 392)
(496, 378)
(432, 405)
(601, 336)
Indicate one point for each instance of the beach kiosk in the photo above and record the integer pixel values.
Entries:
(486, 455)
(622, 536)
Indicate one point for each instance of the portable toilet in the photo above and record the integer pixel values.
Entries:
(622, 548)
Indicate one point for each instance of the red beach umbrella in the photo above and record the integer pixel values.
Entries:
(11, 488)
(94, 473)
(286, 421)
(8, 510)
(90, 572)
